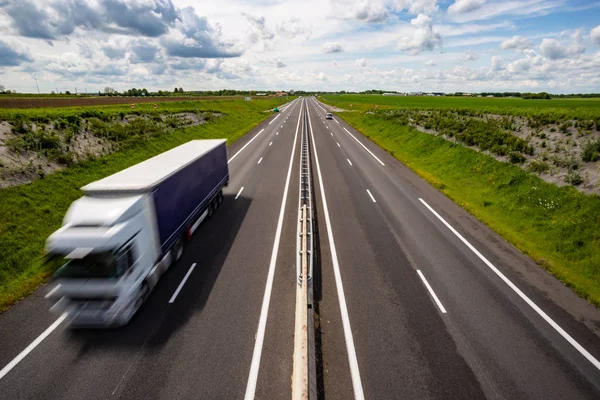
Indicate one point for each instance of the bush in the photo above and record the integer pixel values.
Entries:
(574, 178)
(538, 166)
(590, 150)
(564, 127)
(516, 157)
(65, 159)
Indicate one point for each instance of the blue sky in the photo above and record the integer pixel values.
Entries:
(404, 45)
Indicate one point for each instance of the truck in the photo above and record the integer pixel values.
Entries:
(127, 229)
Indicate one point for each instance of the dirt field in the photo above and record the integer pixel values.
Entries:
(33, 102)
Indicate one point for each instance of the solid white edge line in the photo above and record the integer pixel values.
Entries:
(240, 150)
(518, 291)
(238, 194)
(349, 162)
(352, 360)
(370, 195)
(259, 160)
(32, 346)
(338, 144)
(431, 292)
(185, 278)
(335, 120)
(274, 119)
(270, 143)
(264, 311)
(277, 133)
(364, 147)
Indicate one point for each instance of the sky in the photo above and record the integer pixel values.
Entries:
(328, 45)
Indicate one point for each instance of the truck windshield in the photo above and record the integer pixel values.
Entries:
(94, 265)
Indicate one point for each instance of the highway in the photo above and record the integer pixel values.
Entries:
(415, 298)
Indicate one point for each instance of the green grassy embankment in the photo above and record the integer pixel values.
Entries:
(30, 213)
(557, 227)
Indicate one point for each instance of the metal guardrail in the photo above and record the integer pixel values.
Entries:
(304, 384)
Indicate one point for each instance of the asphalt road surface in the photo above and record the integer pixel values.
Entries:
(415, 298)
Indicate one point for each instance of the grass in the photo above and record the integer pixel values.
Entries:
(30, 213)
(555, 226)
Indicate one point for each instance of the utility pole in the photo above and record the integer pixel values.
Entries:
(36, 83)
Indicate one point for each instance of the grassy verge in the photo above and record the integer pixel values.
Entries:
(29, 213)
(557, 227)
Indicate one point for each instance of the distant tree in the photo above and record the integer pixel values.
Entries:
(109, 90)
(2, 89)
(180, 90)
(176, 90)
(67, 92)
(144, 92)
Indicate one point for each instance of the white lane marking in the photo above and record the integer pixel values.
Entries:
(277, 133)
(364, 147)
(50, 293)
(238, 194)
(264, 311)
(518, 291)
(319, 105)
(354, 370)
(331, 133)
(335, 120)
(270, 143)
(273, 120)
(260, 160)
(185, 278)
(240, 150)
(349, 162)
(327, 126)
(431, 292)
(32, 346)
(338, 144)
(372, 198)
(281, 126)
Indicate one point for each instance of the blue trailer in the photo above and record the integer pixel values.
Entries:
(128, 228)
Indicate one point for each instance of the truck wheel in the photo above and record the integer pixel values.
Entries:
(220, 197)
(178, 249)
(211, 208)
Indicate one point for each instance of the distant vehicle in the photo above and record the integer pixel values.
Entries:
(329, 116)
(276, 109)
(128, 228)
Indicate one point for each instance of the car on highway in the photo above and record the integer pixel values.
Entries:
(329, 116)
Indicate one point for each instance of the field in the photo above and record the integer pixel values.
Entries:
(514, 106)
(556, 226)
(30, 212)
(35, 101)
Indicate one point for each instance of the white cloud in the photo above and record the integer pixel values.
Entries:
(360, 62)
(370, 11)
(518, 66)
(595, 35)
(465, 6)
(332, 47)
(470, 55)
(496, 63)
(516, 42)
(554, 50)
(430, 63)
(280, 64)
(416, 6)
(423, 37)
(495, 9)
